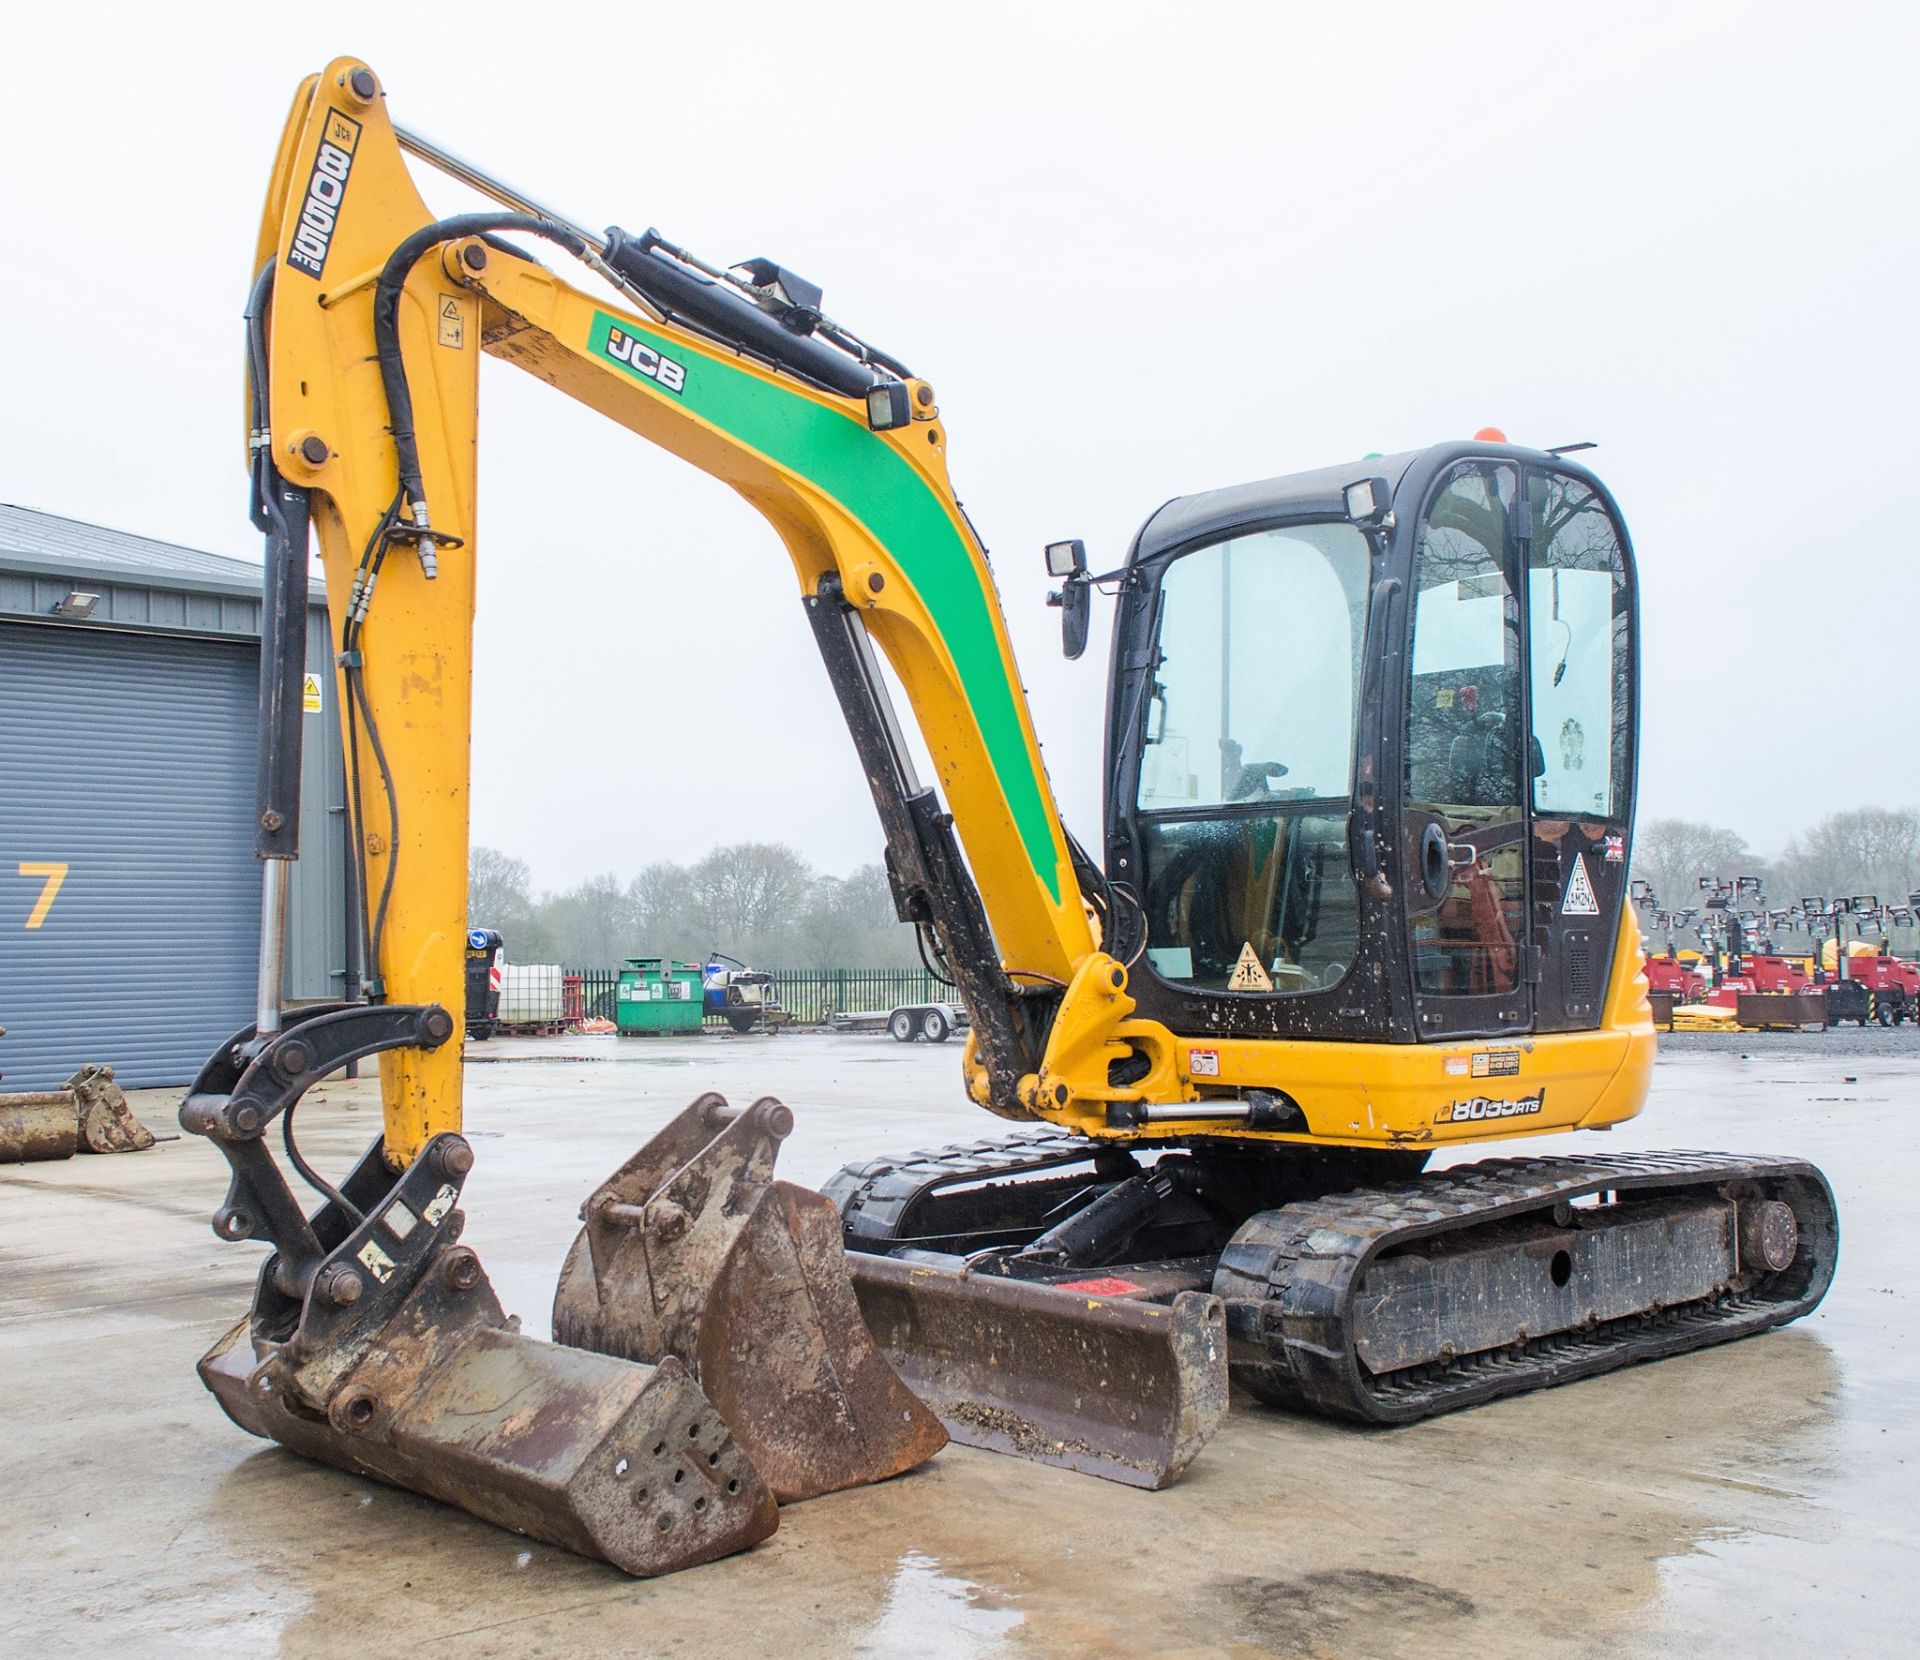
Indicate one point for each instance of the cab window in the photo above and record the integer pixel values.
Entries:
(1580, 680)
(1247, 761)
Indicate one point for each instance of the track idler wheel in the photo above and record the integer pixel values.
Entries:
(691, 1251)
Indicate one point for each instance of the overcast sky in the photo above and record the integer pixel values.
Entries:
(1139, 251)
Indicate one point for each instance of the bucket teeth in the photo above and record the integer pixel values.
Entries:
(399, 1363)
(692, 1250)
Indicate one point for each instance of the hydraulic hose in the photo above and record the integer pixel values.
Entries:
(386, 318)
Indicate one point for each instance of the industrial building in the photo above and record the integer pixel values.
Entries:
(129, 891)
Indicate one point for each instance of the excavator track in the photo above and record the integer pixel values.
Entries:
(1386, 1304)
(877, 1198)
(1314, 1288)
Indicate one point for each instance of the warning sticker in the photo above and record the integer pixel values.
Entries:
(453, 327)
(377, 1262)
(1103, 1287)
(1203, 1063)
(1496, 1063)
(310, 694)
(1580, 900)
(442, 1202)
(1248, 974)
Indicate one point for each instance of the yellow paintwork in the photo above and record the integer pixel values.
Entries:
(417, 647)
(1372, 1094)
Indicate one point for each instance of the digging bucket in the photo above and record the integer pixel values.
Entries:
(38, 1124)
(397, 1362)
(692, 1251)
(1109, 1386)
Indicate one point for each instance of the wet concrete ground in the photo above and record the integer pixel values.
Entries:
(1758, 1499)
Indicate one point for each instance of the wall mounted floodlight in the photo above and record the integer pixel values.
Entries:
(76, 604)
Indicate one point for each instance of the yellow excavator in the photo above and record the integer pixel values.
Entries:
(1360, 899)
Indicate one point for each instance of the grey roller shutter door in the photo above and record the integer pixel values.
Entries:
(129, 759)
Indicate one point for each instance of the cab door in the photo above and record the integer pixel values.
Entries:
(1467, 759)
(1580, 697)
(1518, 754)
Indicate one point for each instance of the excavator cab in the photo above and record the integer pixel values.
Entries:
(1370, 749)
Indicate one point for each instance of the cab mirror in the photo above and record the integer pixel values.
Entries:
(1066, 558)
(1075, 599)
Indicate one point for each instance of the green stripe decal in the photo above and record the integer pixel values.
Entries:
(880, 488)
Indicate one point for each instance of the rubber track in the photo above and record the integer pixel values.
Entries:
(1290, 1275)
(874, 1196)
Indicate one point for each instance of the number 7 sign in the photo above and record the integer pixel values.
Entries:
(52, 875)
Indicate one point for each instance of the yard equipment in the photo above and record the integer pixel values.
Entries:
(483, 982)
(744, 997)
(906, 1022)
(1877, 987)
(657, 994)
(1371, 738)
(87, 1114)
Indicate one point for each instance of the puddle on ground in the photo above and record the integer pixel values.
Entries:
(932, 1615)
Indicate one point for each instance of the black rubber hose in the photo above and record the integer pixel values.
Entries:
(386, 315)
(260, 461)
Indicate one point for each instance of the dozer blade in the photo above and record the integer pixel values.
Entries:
(692, 1250)
(397, 1362)
(1111, 1387)
(38, 1124)
(107, 1124)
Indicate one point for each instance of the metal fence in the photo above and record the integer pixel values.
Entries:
(808, 994)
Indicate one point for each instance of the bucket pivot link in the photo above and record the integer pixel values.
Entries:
(692, 1250)
(376, 1342)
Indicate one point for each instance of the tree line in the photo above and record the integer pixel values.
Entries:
(1863, 850)
(758, 901)
(765, 904)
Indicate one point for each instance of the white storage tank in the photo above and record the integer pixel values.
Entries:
(529, 993)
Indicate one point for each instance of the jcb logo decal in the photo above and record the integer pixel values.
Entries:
(642, 359)
(326, 191)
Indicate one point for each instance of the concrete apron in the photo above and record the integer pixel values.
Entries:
(1754, 1497)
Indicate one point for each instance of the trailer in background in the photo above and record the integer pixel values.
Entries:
(936, 1022)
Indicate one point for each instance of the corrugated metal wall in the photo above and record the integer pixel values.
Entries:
(183, 720)
(317, 909)
(129, 759)
(174, 611)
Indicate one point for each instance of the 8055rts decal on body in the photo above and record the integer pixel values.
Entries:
(326, 190)
(1487, 1106)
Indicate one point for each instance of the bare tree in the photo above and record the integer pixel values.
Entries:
(1671, 855)
(748, 892)
(1865, 850)
(499, 890)
(1674, 853)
